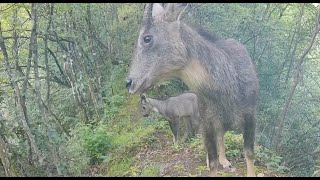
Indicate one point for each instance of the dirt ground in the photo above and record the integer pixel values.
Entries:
(186, 161)
(182, 160)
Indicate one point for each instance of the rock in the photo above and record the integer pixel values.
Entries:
(260, 175)
(233, 170)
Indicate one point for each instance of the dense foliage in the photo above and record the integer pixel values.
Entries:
(64, 107)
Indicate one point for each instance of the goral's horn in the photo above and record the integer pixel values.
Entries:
(147, 15)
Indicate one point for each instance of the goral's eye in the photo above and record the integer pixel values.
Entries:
(147, 39)
(144, 108)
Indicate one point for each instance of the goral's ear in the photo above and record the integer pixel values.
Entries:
(157, 10)
(173, 10)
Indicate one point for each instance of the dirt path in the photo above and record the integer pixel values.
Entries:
(179, 160)
(185, 160)
(161, 158)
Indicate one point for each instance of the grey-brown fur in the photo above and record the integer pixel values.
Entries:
(178, 110)
(219, 71)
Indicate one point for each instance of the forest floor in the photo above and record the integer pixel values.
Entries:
(154, 154)
(183, 160)
(163, 158)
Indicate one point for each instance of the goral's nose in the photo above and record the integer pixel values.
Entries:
(128, 84)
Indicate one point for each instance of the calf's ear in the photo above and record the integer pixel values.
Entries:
(143, 96)
(157, 10)
(173, 11)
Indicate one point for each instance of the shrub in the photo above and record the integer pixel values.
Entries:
(97, 141)
(233, 144)
(269, 159)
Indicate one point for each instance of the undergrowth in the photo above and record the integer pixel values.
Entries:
(113, 142)
(263, 156)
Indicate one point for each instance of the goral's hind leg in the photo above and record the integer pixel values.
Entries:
(249, 138)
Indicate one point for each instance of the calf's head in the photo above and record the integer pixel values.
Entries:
(146, 107)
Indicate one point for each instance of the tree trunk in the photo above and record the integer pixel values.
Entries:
(4, 156)
(20, 97)
(298, 70)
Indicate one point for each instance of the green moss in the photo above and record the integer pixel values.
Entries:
(192, 175)
(261, 169)
(119, 167)
(130, 106)
(179, 167)
(201, 169)
(159, 158)
(150, 171)
(225, 174)
(241, 167)
(136, 136)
